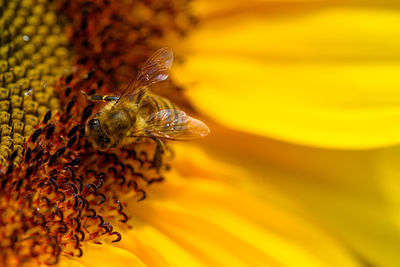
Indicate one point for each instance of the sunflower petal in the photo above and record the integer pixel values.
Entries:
(198, 220)
(352, 195)
(325, 78)
(107, 255)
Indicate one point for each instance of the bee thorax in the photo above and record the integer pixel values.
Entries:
(119, 121)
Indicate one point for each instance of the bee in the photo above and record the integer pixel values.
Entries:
(138, 113)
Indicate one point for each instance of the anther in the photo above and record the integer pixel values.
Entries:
(100, 83)
(119, 204)
(76, 200)
(82, 235)
(80, 252)
(75, 162)
(107, 227)
(73, 186)
(122, 166)
(79, 181)
(125, 219)
(90, 74)
(53, 159)
(93, 213)
(119, 237)
(28, 155)
(155, 180)
(36, 134)
(64, 228)
(129, 153)
(101, 219)
(87, 111)
(73, 131)
(82, 201)
(4, 182)
(70, 105)
(19, 184)
(61, 151)
(103, 198)
(39, 154)
(13, 155)
(78, 223)
(122, 178)
(29, 171)
(73, 175)
(130, 168)
(93, 186)
(69, 78)
(68, 91)
(76, 240)
(144, 195)
(135, 185)
(47, 116)
(72, 141)
(59, 213)
(100, 182)
(53, 182)
(50, 131)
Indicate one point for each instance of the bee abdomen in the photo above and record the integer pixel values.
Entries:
(161, 103)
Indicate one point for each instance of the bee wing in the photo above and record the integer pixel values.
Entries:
(175, 125)
(155, 70)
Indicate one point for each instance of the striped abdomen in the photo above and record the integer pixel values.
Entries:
(159, 112)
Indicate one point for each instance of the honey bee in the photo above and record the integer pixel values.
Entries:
(138, 113)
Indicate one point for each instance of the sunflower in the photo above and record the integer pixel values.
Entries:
(290, 91)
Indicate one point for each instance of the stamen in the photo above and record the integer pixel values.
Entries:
(58, 186)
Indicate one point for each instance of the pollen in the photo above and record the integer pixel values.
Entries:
(33, 53)
(56, 191)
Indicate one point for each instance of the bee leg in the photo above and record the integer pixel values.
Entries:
(104, 98)
(160, 149)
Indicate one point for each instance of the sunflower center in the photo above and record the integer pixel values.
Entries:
(57, 191)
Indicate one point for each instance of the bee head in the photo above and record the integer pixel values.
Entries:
(96, 135)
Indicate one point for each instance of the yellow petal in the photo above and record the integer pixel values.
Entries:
(389, 171)
(325, 77)
(105, 255)
(142, 248)
(199, 220)
(352, 195)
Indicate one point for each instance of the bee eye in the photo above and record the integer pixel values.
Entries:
(94, 124)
